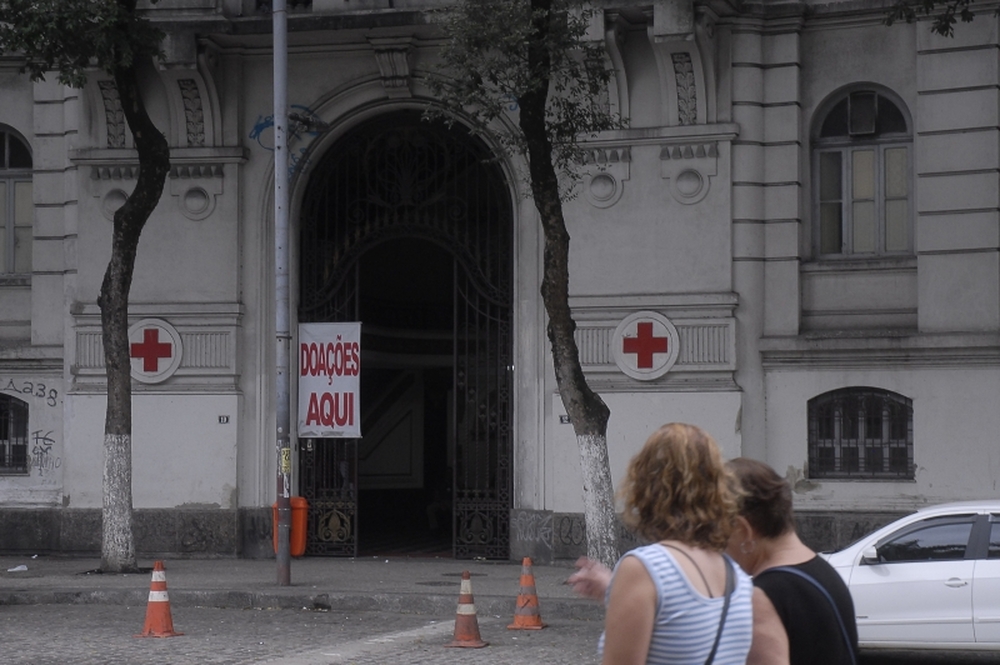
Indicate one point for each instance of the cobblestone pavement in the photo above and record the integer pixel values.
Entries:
(104, 635)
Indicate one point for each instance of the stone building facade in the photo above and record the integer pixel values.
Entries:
(794, 244)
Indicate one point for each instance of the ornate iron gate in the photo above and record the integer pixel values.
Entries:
(399, 176)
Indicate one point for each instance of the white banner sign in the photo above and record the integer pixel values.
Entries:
(329, 380)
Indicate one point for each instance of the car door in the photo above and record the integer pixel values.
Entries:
(918, 588)
(986, 589)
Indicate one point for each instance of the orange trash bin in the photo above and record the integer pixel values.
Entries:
(300, 520)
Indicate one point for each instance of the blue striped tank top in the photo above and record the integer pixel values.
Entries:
(686, 622)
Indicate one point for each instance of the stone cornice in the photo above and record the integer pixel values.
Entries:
(123, 163)
(881, 349)
(660, 136)
(178, 156)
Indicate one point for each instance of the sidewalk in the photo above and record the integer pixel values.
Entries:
(392, 584)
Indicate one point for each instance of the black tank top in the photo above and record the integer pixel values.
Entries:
(814, 635)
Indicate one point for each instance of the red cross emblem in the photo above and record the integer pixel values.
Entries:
(150, 350)
(644, 344)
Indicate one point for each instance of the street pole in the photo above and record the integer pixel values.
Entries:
(279, 17)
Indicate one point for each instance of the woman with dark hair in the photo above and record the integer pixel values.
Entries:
(803, 612)
(680, 600)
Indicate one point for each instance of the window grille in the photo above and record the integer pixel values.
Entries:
(861, 433)
(13, 436)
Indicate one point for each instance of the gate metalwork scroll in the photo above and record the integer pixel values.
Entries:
(395, 177)
(328, 480)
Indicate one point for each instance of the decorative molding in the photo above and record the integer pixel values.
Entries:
(196, 188)
(202, 350)
(689, 167)
(184, 171)
(207, 333)
(195, 202)
(606, 170)
(608, 28)
(678, 37)
(113, 200)
(673, 20)
(206, 350)
(608, 156)
(194, 115)
(660, 136)
(690, 151)
(125, 172)
(880, 350)
(114, 116)
(123, 164)
(700, 344)
(614, 40)
(393, 57)
(687, 89)
(195, 179)
(706, 341)
(131, 171)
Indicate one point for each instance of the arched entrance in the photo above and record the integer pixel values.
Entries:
(406, 226)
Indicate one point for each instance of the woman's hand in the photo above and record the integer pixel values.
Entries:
(591, 579)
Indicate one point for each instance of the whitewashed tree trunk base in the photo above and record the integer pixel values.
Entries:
(118, 546)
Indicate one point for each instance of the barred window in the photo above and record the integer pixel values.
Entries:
(13, 436)
(861, 433)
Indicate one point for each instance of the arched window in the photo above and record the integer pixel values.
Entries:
(860, 433)
(16, 208)
(13, 435)
(862, 191)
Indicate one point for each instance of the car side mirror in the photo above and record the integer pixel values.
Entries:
(870, 556)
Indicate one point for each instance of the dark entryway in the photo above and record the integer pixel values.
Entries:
(406, 227)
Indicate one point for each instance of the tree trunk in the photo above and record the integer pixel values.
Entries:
(586, 410)
(118, 546)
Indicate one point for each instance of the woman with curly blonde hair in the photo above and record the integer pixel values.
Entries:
(679, 600)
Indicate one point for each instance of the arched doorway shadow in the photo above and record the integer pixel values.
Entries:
(406, 227)
(404, 472)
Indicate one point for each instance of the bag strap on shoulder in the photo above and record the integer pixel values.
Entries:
(836, 611)
(730, 587)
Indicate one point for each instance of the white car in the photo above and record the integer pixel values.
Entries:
(930, 580)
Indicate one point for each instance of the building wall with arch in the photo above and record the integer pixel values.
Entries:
(703, 211)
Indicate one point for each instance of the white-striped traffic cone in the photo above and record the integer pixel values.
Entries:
(158, 621)
(466, 623)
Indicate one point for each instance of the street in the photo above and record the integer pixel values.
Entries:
(929, 658)
(104, 634)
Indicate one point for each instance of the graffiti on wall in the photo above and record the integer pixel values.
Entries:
(570, 530)
(303, 125)
(41, 450)
(531, 526)
(42, 460)
(39, 390)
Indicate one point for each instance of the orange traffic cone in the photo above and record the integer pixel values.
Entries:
(526, 616)
(158, 621)
(466, 624)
